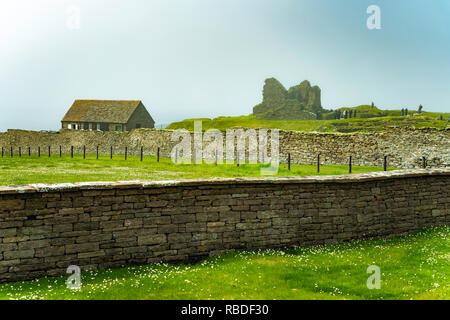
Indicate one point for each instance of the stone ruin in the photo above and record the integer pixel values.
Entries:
(300, 102)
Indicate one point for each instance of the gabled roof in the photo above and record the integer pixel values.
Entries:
(114, 111)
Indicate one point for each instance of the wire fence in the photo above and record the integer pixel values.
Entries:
(125, 152)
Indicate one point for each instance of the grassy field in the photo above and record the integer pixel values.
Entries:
(411, 267)
(426, 120)
(34, 169)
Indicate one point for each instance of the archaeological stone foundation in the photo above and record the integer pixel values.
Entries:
(46, 228)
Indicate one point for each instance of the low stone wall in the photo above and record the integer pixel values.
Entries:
(404, 147)
(46, 228)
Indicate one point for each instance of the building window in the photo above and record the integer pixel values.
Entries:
(90, 126)
(75, 126)
(119, 127)
(98, 126)
(82, 126)
(69, 126)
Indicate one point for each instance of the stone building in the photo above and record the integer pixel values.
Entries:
(107, 115)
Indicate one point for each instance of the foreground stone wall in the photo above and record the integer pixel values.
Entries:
(404, 147)
(46, 228)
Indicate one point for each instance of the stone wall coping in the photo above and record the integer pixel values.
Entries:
(345, 178)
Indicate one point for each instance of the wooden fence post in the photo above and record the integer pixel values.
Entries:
(11, 152)
(20, 151)
(60, 151)
(29, 151)
(97, 152)
(289, 161)
(71, 151)
(39, 151)
(237, 158)
(49, 151)
(318, 163)
(142, 152)
(111, 152)
(126, 152)
(216, 158)
(385, 163)
(424, 162)
(84, 152)
(157, 155)
(350, 165)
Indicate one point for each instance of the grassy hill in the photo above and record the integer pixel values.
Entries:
(368, 120)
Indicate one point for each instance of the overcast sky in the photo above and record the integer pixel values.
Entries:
(207, 58)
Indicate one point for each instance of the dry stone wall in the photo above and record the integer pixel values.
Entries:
(404, 147)
(46, 228)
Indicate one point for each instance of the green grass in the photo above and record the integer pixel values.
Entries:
(412, 267)
(425, 120)
(34, 169)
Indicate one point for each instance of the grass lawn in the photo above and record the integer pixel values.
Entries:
(34, 169)
(427, 120)
(412, 267)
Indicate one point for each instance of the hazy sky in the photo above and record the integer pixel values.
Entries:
(206, 58)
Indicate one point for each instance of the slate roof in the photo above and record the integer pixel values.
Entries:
(112, 111)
